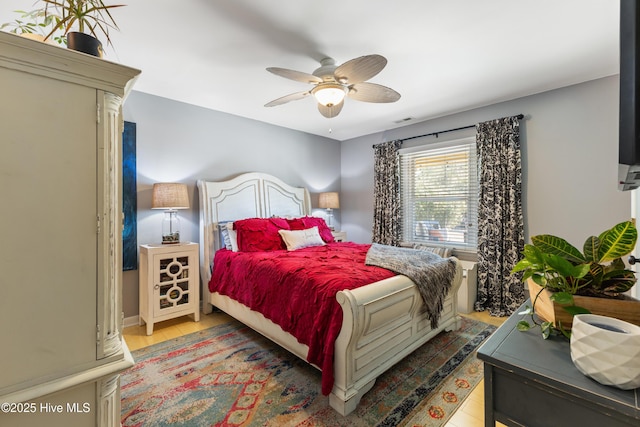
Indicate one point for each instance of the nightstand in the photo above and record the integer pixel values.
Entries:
(339, 236)
(169, 282)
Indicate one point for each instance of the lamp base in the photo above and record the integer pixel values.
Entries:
(330, 219)
(170, 228)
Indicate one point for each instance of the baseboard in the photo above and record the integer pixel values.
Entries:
(131, 321)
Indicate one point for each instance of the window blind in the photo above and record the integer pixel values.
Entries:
(439, 190)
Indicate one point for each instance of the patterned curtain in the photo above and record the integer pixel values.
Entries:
(500, 222)
(386, 193)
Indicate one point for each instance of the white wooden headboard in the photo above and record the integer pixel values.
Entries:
(250, 195)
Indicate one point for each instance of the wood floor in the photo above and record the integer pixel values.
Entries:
(470, 414)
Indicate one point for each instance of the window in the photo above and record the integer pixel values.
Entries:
(439, 190)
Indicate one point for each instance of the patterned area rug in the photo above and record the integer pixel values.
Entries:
(229, 375)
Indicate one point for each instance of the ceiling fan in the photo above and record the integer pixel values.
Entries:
(331, 83)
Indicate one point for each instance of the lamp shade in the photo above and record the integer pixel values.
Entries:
(329, 200)
(170, 196)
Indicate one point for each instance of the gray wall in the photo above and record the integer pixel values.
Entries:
(178, 142)
(569, 144)
(570, 154)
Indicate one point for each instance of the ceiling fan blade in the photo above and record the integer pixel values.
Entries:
(371, 92)
(360, 69)
(298, 76)
(287, 98)
(332, 111)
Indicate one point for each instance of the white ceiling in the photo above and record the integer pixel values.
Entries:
(443, 56)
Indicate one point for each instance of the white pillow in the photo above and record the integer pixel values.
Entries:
(229, 236)
(233, 237)
(298, 239)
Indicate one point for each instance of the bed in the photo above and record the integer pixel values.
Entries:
(382, 322)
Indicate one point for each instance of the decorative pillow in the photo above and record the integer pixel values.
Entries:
(225, 240)
(228, 236)
(296, 223)
(442, 251)
(260, 234)
(298, 239)
(305, 222)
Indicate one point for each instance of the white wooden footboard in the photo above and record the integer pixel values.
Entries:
(382, 323)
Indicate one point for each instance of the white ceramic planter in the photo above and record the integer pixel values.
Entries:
(607, 350)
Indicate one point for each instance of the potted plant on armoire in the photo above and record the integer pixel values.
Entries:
(82, 21)
(77, 23)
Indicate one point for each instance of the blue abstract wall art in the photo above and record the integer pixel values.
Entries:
(129, 198)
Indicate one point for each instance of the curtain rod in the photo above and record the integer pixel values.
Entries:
(519, 117)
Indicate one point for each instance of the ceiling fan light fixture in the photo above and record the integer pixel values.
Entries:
(329, 94)
(331, 84)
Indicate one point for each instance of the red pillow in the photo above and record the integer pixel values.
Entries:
(296, 223)
(312, 221)
(260, 234)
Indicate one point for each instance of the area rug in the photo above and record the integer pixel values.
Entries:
(229, 375)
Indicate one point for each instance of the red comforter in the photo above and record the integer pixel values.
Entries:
(297, 290)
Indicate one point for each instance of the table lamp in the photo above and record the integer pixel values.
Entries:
(329, 201)
(170, 196)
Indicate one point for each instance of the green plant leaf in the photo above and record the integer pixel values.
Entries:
(580, 270)
(561, 298)
(526, 275)
(546, 328)
(523, 264)
(558, 246)
(532, 254)
(539, 279)
(617, 241)
(616, 264)
(590, 249)
(562, 266)
(597, 271)
(523, 325)
(574, 309)
(618, 281)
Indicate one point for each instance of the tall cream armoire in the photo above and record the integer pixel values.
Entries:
(61, 346)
